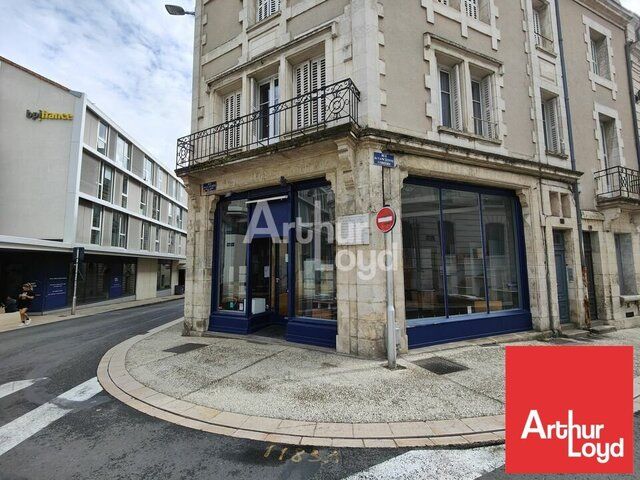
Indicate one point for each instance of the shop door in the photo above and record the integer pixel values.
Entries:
(588, 254)
(280, 282)
(561, 277)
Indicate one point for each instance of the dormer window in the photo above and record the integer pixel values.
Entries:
(266, 8)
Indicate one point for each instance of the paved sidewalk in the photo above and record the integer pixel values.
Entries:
(281, 393)
(11, 321)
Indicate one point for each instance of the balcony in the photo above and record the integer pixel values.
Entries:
(616, 184)
(320, 109)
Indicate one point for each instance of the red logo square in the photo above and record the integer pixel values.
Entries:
(569, 409)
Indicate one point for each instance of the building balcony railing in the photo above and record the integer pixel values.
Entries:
(317, 110)
(544, 42)
(617, 183)
(485, 128)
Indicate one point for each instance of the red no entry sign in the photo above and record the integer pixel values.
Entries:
(386, 219)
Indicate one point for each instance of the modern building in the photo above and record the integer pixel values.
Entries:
(70, 177)
(294, 100)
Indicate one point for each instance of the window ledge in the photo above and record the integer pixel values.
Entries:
(467, 135)
(547, 51)
(562, 156)
(630, 298)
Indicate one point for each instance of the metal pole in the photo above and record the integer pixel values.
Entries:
(391, 310)
(75, 285)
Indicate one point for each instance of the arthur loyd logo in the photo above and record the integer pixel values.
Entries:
(45, 115)
(569, 409)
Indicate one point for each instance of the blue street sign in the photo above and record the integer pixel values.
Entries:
(384, 159)
(209, 187)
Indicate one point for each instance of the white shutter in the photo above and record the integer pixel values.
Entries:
(456, 110)
(537, 30)
(231, 112)
(487, 107)
(318, 81)
(553, 132)
(262, 9)
(471, 8)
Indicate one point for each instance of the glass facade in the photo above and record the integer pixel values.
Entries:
(232, 292)
(460, 255)
(315, 260)
(164, 275)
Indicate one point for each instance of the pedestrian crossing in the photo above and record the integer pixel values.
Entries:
(27, 425)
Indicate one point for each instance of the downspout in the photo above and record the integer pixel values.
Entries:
(575, 188)
(634, 111)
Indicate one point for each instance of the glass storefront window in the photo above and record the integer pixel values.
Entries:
(233, 256)
(315, 261)
(424, 288)
(475, 234)
(463, 252)
(129, 279)
(164, 275)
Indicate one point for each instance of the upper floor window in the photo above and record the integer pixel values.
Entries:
(231, 112)
(105, 185)
(147, 173)
(179, 218)
(96, 224)
(170, 214)
(172, 242)
(266, 8)
(482, 107)
(103, 137)
(156, 241)
(144, 195)
(144, 235)
(609, 142)
(451, 116)
(155, 210)
(160, 179)
(125, 192)
(123, 153)
(471, 8)
(119, 230)
(541, 25)
(551, 125)
(310, 76)
(599, 54)
(171, 187)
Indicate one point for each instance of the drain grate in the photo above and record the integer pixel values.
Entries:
(185, 347)
(440, 365)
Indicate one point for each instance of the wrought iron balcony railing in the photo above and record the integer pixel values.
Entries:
(617, 182)
(314, 111)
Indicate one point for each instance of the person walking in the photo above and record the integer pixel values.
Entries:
(25, 297)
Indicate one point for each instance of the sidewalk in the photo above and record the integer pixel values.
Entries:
(280, 393)
(11, 321)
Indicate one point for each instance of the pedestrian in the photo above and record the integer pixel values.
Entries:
(9, 304)
(24, 302)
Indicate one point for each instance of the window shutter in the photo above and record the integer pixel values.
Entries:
(537, 26)
(262, 9)
(553, 132)
(231, 112)
(456, 110)
(487, 107)
(318, 81)
(471, 8)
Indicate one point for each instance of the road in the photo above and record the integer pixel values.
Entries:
(57, 423)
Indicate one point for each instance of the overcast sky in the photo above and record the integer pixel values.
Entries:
(130, 57)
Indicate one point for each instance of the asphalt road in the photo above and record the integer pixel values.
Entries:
(101, 438)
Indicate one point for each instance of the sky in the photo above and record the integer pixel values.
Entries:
(130, 57)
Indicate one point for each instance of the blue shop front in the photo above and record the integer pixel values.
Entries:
(283, 281)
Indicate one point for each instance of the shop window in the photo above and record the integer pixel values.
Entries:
(232, 285)
(308, 77)
(626, 269)
(96, 225)
(105, 185)
(119, 230)
(94, 279)
(460, 253)
(123, 153)
(266, 8)
(164, 275)
(129, 278)
(315, 261)
(599, 54)
(551, 124)
(103, 137)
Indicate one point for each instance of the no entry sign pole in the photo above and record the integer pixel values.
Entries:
(385, 221)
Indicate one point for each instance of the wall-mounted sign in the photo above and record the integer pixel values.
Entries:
(384, 159)
(353, 230)
(209, 188)
(45, 115)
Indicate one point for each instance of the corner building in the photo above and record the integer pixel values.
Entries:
(292, 98)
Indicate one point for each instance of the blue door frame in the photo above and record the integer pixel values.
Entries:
(431, 331)
(298, 329)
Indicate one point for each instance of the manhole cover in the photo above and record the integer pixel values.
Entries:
(440, 365)
(184, 348)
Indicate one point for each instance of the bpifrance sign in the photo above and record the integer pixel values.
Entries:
(569, 410)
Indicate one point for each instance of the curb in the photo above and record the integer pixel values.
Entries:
(457, 433)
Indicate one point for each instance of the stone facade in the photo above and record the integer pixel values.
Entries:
(394, 56)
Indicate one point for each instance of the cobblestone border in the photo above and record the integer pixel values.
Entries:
(464, 432)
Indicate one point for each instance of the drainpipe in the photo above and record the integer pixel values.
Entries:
(634, 112)
(575, 189)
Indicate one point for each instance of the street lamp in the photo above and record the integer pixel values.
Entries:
(177, 10)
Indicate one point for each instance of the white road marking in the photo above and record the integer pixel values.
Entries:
(437, 465)
(13, 387)
(20, 429)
